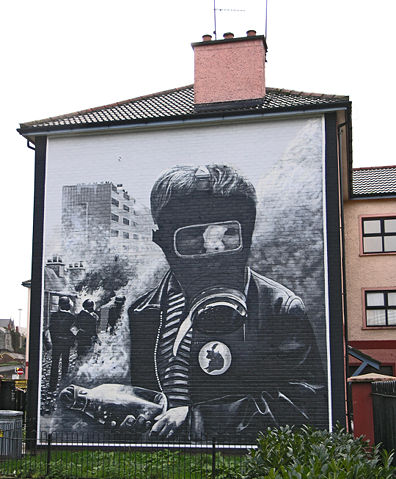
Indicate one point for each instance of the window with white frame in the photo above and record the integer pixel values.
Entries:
(379, 235)
(380, 308)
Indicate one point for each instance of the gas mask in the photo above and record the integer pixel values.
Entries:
(206, 240)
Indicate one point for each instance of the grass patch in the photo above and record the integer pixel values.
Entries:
(120, 464)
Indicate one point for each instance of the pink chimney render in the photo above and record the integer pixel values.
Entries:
(232, 69)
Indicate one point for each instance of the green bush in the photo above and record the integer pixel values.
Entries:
(307, 453)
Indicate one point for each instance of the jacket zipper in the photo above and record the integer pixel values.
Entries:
(155, 352)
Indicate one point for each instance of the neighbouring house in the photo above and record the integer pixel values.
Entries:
(5, 339)
(289, 153)
(7, 323)
(28, 285)
(11, 338)
(370, 253)
(12, 348)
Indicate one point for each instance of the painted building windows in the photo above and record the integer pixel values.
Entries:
(114, 217)
(125, 235)
(379, 235)
(125, 207)
(115, 202)
(114, 233)
(125, 221)
(380, 308)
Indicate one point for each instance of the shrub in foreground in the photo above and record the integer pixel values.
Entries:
(308, 453)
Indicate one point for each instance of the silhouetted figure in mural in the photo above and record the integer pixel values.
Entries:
(86, 322)
(216, 360)
(115, 312)
(62, 340)
(234, 351)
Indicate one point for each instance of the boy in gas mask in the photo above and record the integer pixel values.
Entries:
(233, 351)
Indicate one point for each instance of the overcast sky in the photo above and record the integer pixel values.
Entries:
(58, 57)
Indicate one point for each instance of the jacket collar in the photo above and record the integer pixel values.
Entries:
(155, 298)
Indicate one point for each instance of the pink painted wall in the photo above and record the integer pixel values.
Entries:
(229, 70)
(376, 271)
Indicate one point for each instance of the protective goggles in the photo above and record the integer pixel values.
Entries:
(208, 239)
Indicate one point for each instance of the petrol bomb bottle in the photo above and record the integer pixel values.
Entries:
(116, 405)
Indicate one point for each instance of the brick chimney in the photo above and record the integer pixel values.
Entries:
(57, 265)
(229, 70)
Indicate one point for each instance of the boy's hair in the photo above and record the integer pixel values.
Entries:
(182, 181)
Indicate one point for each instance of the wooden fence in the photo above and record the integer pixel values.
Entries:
(384, 413)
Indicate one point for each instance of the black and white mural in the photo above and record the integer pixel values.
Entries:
(185, 282)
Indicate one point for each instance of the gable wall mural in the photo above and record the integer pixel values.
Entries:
(184, 290)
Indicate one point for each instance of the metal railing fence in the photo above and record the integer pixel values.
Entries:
(95, 456)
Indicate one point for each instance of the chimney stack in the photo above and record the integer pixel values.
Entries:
(229, 70)
(57, 265)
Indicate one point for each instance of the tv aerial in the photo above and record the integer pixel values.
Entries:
(215, 10)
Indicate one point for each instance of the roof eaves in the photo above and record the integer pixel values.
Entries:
(24, 129)
(373, 196)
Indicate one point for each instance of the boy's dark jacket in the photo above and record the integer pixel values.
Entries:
(275, 375)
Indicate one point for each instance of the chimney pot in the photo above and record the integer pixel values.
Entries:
(251, 33)
(206, 37)
(228, 35)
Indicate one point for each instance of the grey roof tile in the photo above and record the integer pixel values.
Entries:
(374, 181)
(178, 102)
